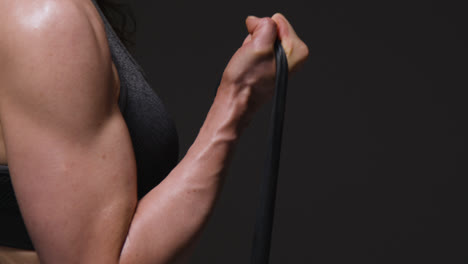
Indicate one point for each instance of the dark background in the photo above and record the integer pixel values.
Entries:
(374, 154)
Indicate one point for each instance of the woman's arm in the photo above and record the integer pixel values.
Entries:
(70, 153)
(169, 218)
(68, 148)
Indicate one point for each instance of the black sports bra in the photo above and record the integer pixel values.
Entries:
(152, 130)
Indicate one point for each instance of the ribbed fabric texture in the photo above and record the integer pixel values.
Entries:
(152, 131)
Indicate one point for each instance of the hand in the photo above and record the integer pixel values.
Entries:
(250, 74)
(296, 50)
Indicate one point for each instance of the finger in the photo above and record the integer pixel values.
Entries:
(296, 50)
(251, 22)
(286, 33)
(264, 32)
(285, 28)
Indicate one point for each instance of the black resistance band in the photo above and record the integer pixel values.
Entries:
(265, 214)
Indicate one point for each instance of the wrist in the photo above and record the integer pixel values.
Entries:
(217, 137)
(223, 125)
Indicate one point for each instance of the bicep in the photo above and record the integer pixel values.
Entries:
(68, 149)
(76, 197)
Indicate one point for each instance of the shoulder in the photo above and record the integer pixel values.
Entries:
(43, 26)
(51, 17)
(55, 58)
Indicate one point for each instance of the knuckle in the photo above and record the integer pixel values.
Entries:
(268, 22)
(299, 49)
(260, 49)
(261, 46)
(228, 76)
(304, 50)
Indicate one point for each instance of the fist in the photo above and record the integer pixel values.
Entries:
(250, 74)
(296, 50)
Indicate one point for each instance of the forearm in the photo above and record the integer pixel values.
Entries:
(168, 219)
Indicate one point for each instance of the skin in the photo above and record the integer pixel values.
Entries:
(59, 112)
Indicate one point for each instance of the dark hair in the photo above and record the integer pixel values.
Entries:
(122, 19)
